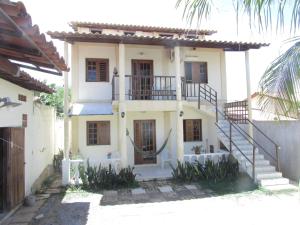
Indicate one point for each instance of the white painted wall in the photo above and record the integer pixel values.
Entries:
(39, 134)
(95, 153)
(83, 91)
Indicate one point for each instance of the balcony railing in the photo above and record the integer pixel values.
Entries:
(141, 87)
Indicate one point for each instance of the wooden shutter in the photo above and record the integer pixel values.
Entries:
(103, 70)
(97, 70)
(192, 130)
(103, 132)
(203, 72)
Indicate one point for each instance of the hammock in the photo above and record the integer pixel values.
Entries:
(148, 154)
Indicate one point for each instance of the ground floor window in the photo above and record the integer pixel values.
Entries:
(98, 132)
(192, 130)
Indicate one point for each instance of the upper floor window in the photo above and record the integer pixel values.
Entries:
(192, 130)
(98, 133)
(166, 35)
(97, 70)
(96, 31)
(196, 72)
(129, 33)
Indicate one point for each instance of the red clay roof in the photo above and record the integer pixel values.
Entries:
(131, 27)
(153, 40)
(27, 82)
(22, 41)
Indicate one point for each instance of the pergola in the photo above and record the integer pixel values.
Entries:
(22, 44)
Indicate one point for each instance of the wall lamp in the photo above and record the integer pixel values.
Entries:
(115, 72)
(8, 102)
(181, 113)
(122, 114)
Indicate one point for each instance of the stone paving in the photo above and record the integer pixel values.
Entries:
(155, 191)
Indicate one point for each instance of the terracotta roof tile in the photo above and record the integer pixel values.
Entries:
(153, 40)
(23, 41)
(26, 81)
(132, 27)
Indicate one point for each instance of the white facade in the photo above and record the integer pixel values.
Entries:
(164, 112)
(39, 133)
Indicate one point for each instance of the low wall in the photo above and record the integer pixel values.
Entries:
(287, 135)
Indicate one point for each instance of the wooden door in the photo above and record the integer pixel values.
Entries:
(142, 79)
(145, 138)
(12, 185)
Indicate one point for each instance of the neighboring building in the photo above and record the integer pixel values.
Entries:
(27, 127)
(145, 81)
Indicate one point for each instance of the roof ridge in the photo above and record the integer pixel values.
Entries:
(76, 24)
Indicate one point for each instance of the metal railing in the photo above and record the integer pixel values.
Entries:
(141, 87)
(237, 111)
(210, 96)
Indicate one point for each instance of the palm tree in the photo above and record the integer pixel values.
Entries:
(280, 83)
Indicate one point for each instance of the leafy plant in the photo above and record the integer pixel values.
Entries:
(57, 160)
(226, 168)
(56, 99)
(101, 177)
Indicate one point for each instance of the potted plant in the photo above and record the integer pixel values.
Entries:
(196, 149)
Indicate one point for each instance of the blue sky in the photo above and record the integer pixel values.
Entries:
(55, 14)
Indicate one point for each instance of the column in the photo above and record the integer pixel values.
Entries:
(122, 107)
(66, 160)
(179, 110)
(248, 80)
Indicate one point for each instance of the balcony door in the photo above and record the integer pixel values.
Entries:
(142, 79)
(145, 139)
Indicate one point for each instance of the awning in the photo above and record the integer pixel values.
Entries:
(89, 109)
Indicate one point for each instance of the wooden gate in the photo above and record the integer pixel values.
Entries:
(12, 184)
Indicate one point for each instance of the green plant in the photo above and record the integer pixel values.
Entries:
(101, 177)
(226, 168)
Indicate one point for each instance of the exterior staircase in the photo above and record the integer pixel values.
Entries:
(249, 153)
(264, 174)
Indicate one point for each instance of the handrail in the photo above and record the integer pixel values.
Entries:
(246, 136)
(230, 139)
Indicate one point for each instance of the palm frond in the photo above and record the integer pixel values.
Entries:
(201, 9)
(280, 84)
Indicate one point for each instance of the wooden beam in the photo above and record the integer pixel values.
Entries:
(7, 67)
(38, 69)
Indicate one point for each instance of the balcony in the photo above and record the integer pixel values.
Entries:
(141, 87)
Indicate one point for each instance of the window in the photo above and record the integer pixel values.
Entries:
(97, 70)
(22, 98)
(196, 72)
(129, 33)
(98, 133)
(166, 35)
(192, 130)
(96, 31)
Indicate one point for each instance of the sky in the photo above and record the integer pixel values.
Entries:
(54, 15)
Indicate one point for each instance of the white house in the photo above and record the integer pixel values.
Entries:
(145, 82)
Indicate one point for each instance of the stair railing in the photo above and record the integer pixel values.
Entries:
(235, 127)
(210, 95)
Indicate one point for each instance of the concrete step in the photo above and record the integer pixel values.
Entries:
(257, 162)
(261, 169)
(281, 187)
(274, 181)
(241, 157)
(268, 175)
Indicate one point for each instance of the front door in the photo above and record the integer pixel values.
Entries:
(12, 187)
(145, 139)
(142, 79)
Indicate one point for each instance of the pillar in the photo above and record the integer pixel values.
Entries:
(179, 108)
(66, 160)
(248, 80)
(122, 108)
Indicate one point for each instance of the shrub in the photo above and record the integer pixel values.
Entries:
(210, 171)
(101, 177)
